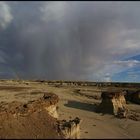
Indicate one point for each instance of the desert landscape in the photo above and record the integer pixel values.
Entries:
(69, 109)
(69, 70)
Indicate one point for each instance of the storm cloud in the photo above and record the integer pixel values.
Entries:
(68, 40)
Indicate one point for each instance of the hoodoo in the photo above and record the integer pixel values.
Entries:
(113, 102)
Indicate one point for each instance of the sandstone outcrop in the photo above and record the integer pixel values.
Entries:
(113, 102)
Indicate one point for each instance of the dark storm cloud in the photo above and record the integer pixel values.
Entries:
(69, 40)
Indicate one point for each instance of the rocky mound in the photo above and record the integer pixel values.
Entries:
(36, 119)
(113, 102)
(31, 120)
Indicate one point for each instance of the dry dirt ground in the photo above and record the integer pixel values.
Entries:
(73, 104)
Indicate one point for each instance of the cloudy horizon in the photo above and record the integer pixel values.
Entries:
(65, 40)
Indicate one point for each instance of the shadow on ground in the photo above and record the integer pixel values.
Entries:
(81, 105)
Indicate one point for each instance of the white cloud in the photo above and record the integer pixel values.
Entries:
(122, 41)
(109, 69)
(5, 15)
(107, 79)
(128, 63)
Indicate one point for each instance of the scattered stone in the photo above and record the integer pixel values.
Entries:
(133, 116)
(70, 129)
(122, 113)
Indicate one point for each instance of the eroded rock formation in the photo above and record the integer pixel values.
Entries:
(70, 129)
(48, 101)
(30, 120)
(113, 102)
(35, 119)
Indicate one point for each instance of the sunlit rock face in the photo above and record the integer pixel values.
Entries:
(52, 110)
(113, 102)
(70, 129)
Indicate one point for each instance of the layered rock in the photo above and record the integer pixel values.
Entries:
(113, 102)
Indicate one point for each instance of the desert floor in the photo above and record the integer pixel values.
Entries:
(72, 104)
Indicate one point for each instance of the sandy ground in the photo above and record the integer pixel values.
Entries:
(72, 104)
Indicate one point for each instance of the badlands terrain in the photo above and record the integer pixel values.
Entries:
(77, 105)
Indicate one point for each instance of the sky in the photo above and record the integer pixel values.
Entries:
(70, 40)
